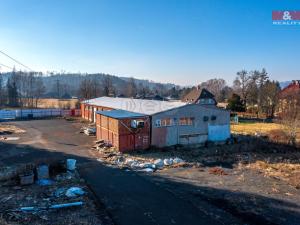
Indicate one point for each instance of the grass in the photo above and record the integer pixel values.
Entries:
(252, 128)
(57, 103)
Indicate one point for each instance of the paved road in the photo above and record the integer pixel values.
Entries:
(130, 198)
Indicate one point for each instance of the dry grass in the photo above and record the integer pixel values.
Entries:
(252, 128)
(58, 103)
(285, 171)
(262, 128)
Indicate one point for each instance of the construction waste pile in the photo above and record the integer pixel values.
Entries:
(89, 130)
(45, 194)
(109, 155)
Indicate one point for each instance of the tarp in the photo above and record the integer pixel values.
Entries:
(218, 132)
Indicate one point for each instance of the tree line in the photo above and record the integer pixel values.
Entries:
(251, 90)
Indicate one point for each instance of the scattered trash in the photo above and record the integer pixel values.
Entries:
(177, 160)
(45, 182)
(71, 164)
(55, 206)
(66, 205)
(74, 192)
(147, 165)
(27, 178)
(59, 192)
(9, 138)
(90, 131)
(168, 162)
(149, 170)
(65, 176)
(42, 171)
(217, 171)
(159, 163)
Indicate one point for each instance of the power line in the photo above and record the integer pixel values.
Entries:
(15, 60)
(6, 66)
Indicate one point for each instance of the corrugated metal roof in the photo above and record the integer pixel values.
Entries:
(119, 114)
(147, 107)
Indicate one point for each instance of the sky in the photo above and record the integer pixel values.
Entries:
(183, 42)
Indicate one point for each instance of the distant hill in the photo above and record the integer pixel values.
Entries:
(284, 84)
(148, 83)
(70, 82)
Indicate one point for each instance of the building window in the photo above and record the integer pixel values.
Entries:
(167, 122)
(205, 118)
(158, 123)
(213, 118)
(186, 121)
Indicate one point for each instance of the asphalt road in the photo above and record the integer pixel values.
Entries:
(129, 197)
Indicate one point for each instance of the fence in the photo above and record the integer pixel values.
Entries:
(37, 113)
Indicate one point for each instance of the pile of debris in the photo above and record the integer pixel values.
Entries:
(43, 193)
(111, 156)
(101, 145)
(89, 130)
(10, 129)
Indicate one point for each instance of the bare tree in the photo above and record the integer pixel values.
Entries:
(269, 97)
(108, 86)
(85, 89)
(39, 90)
(241, 85)
(215, 86)
(290, 117)
(131, 89)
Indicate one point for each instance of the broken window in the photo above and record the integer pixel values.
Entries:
(158, 123)
(186, 121)
(167, 122)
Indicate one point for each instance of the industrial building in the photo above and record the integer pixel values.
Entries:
(130, 124)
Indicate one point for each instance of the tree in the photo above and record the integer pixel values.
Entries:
(215, 86)
(269, 97)
(39, 90)
(290, 117)
(108, 87)
(2, 95)
(236, 104)
(241, 85)
(131, 89)
(85, 89)
(12, 89)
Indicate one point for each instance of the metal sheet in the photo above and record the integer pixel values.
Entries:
(218, 132)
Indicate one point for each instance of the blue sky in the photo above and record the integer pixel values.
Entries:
(184, 42)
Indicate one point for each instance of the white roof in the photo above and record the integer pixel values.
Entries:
(147, 107)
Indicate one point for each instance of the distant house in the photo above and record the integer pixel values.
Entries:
(197, 95)
(289, 96)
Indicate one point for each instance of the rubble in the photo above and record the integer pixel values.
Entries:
(110, 156)
(46, 199)
(89, 130)
(74, 192)
(217, 171)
